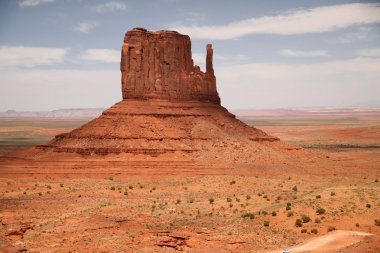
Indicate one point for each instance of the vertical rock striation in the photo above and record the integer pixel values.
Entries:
(159, 65)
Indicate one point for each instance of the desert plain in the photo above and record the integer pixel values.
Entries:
(327, 202)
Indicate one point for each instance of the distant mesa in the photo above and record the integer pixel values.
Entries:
(170, 109)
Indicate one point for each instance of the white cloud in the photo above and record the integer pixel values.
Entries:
(362, 34)
(275, 85)
(109, 6)
(293, 53)
(41, 90)
(368, 52)
(104, 55)
(32, 3)
(315, 20)
(85, 27)
(30, 56)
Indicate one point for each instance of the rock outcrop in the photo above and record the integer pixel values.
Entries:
(170, 108)
(160, 65)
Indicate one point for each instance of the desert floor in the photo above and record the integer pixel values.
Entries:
(160, 207)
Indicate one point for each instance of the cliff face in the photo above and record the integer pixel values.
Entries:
(159, 65)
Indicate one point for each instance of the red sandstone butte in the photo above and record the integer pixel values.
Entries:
(170, 108)
(159, 65)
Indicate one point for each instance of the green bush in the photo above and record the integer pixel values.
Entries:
(266, 223)
(320, 210)
(317, 221)
(305, 218)
(298, 223)
(288, 208)
(314, 231)
(290, 213)
(331, 228)
(125, 193)
(248, 215)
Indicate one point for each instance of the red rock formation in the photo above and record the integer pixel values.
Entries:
(169, 108)
(159, 65)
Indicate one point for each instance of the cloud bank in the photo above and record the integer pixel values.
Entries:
(30, 56)
(303, 21)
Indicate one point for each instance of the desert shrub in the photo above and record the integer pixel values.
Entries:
(274, 213)
(232, 182)
(314, 231)
(259, 194)
(264, 212)
(288, 208)
(377, 222)
(24, 193)
(298, 223)
(320, 210)
(110, 178)
(331, 228)
(125, 193)
(317, 221)
(368, 205)
(237, 199)
(49, 186)
(211, 200)
(332, 194)
(61, 185)
(112, 188)
(295, 188)
(248, 197)
(248, 215)
(79, 196)
(191, 201)
(231, 205)
(376, 180)
(40, 193)
(357, 225)
(130, 187)
(303, 231)
(305, 218)
(318, 196)
(290, 213)
(266, 223)
(178, 202)
(229, 200)
(265, 196)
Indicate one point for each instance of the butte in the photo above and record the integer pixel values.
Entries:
(170, 112)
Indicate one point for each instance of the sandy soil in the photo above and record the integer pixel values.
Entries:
(81, 205)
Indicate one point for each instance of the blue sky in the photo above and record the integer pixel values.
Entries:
(267, 54)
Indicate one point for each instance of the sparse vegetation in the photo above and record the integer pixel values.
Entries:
(290, 213)
(232, 182)
(331, 228)
(112, 188)
(318, 196)
(314, 231)
(211, 200)
(248, 197)
(320, 210)
(248, 215)
(305, 218)
(317, 221)
(274, 213)
(295, 188)
(298, 223)
(229, 200)
(332, 194)
(304, 230)
(368, 205)
(377, 222)
(266, 223)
